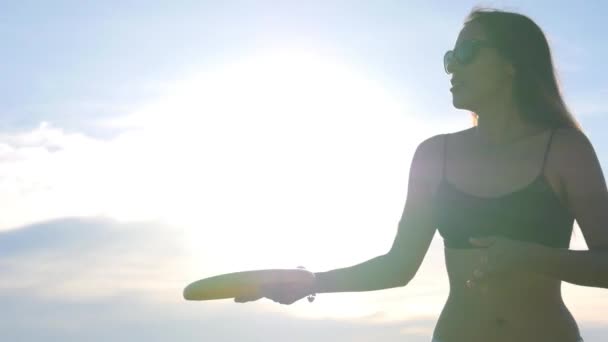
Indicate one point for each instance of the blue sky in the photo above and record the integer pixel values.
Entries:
(146, 144)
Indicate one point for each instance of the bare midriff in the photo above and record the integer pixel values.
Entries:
(515, 307)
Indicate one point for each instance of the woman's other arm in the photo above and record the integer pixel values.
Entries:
(587, 199)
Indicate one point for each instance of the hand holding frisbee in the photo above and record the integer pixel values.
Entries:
(284, 286)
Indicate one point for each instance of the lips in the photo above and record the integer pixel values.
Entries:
(455, 84)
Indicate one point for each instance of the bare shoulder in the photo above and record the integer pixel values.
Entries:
(426, 166)
(569, 145)
(429, 147)
(574, 158)
(432, 148)
(429, 150)
(570, 139)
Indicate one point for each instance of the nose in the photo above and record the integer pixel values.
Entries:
(448, 62)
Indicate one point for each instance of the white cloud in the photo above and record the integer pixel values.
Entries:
(83, 259)
(103, 279)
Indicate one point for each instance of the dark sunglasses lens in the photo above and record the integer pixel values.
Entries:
(448, 58)
(465, 53)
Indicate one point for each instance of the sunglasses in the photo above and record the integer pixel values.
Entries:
(464, 53)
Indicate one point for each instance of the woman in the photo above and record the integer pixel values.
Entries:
(503, 195)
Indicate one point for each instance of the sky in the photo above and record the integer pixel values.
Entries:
(145, 145)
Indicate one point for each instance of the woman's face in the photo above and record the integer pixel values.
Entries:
(484, 79)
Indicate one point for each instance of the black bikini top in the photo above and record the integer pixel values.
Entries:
(533, 213)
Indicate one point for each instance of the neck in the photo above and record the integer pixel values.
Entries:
(502, 125)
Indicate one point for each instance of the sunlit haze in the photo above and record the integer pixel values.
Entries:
(146, 146)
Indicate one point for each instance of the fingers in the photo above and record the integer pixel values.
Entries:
(245, 299)
(283, 301)
(285, 294)
(275, 293)
(482, 273)
(251, 296)
(478, 274)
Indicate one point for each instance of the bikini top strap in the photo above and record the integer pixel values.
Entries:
(445, 144)
(547, 150)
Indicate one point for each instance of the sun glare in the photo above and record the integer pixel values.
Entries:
(278, 159)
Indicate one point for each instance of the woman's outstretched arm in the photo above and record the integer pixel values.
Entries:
(415, 232)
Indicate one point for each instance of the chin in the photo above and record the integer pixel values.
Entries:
(458, 104)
